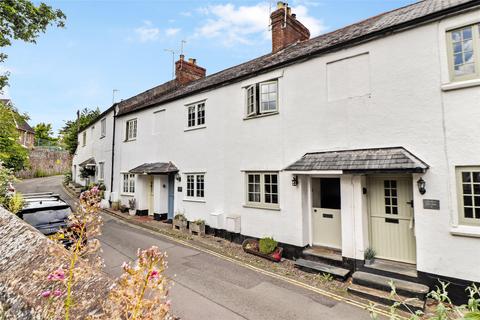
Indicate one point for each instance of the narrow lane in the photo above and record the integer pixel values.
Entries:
(205, 286)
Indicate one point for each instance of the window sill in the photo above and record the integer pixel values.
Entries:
(129, 140)
(261, 115)
(101, 137)
(466, 231)
(194, 200)
(195, 128)
(261, 207)
(461, 85)
(127, 194)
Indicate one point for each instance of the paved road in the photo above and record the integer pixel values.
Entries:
(205, 286)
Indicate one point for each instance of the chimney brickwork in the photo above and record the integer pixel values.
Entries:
(286, 29)
(187, 71)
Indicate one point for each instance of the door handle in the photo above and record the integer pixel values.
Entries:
(314, 210)
(410, 203)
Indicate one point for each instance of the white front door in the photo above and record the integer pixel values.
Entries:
(326, 214)
(391, 218)
(150, 196)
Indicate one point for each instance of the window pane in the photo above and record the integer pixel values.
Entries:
(468, 212)
(467, 200)
(253, 188)
(466, 177)
(467, 188)
(476, 176)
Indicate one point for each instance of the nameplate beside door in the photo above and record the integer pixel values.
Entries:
(431, 204)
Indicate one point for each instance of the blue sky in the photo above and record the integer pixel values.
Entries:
(119, 44)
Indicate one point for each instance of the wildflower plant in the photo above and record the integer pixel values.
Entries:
(142, 290)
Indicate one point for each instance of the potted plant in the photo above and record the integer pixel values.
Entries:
(132, 206)
(180, 222)
(369, 256)
(266, 248)
(197, 227)
(123, 208)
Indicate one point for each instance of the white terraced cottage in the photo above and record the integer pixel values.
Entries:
(363, 137)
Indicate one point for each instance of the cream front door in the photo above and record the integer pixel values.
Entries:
(326, 214)
(392, 232)
(150, 196)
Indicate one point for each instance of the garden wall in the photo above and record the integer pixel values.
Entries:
(46, 162)
(24, 252)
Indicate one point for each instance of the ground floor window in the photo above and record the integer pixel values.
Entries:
(128, 183)
(262, 189)
(195, 185)
(468, 191)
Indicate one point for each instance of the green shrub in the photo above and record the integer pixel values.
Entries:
(199, 221)
(369, 253)
(267, 245)
(67, 178)
(15, 203)
(180, 216)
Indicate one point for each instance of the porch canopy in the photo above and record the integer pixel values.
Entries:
(155, 168)
(378, 160)
(90, 162)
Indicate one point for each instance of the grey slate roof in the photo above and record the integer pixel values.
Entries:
(88, 162)
(23, 125)
(362, 160)
(380, 25)
(155, 168)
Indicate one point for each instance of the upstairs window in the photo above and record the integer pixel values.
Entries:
(196, 186)
(468, 189)
(131, 129)
(196, 115)
(464, 52)
(103, 128)
(262, 98)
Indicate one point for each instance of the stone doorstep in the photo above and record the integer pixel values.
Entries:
(319, 267)
(383, 297)
(323, 255)
(404, 288)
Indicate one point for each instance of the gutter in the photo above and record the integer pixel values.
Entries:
(113, 148)
(341, 45)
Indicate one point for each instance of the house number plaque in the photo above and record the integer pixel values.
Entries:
(431, 204)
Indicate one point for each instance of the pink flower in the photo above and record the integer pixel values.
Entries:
(58, 274)
(154, 274)
(46, 293)
(57, 293)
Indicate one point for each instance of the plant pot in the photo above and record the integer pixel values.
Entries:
(369, 262)
(132, 212)
(180, 224)
(197, 229)
(275, 256)
(115, 205)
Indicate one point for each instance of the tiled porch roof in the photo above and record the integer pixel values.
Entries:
(395, 159)
(155, 168)
(88, 162)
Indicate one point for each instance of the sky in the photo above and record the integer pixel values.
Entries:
(120, 44)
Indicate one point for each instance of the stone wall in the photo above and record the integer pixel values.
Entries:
(46, 162)
(23, 251)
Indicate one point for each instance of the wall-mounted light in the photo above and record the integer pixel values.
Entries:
(421, 186)
(295, 181)
(178, 177)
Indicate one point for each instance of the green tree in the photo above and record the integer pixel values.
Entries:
(12, 154)
(23, 20)
(43, 133)
(69, 132)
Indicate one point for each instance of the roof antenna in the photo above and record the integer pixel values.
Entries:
(173, 52)
(182, 43)
(269, 15)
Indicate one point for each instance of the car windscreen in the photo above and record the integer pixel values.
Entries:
(47, 216)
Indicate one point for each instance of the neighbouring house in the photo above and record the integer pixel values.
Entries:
(366, 136)
(26, 133)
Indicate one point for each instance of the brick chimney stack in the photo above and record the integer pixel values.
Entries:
(286, 29)
(187, 71)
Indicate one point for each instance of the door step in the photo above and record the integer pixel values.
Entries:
(323, 255)
(319, 267)
(383, 297)
(404, 288)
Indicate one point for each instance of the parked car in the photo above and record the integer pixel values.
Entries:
(46, 212)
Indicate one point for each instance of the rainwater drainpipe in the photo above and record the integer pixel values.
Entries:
(113, 148)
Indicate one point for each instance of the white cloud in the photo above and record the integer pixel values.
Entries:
(170, 32)
(247, 24)
(147, 32)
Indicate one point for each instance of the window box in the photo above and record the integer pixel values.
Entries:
(251, 246)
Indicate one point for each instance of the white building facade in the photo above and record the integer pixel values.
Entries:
(348, 143)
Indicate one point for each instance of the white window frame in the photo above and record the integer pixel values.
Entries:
(476, 53)
(84, 138)
(130, 179)
(462, 220)
(195, 109)
(253, 99)
(101, 171)
(131, 127)
(198, 193)
(263, 204)
(103, 128)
